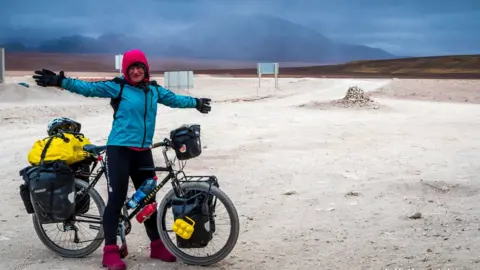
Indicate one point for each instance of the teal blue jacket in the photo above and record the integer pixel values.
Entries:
(134, 122)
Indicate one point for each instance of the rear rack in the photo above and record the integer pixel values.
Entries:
(199, 178)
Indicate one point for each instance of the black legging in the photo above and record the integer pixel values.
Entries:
(123, 162)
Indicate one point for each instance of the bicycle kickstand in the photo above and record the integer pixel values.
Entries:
(123, 248)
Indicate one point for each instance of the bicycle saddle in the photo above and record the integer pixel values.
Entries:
(94, 149)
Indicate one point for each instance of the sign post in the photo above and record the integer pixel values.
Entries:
(2, 65)
(118, 62)
(267, 68)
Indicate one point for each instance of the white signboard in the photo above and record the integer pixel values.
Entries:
(268, 69)
(178, 80)
(118, 62)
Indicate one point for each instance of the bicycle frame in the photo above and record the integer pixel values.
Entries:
(166, 144)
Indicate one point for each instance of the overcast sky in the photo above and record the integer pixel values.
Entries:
(406, 27)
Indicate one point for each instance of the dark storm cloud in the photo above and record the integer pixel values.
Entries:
(407, 27)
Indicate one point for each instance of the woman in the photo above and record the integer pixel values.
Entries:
(129, 140)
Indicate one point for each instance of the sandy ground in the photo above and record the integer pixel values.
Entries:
(364, 172)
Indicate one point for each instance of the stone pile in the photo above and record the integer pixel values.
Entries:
(356, 97)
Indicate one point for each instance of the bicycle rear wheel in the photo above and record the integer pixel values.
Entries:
(96, 240)
(164, 230)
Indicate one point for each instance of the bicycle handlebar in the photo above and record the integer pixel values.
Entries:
(165, 143)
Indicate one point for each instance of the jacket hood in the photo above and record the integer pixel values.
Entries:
(132, 57)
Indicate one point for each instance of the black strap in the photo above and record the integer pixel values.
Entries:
(44, 153)
(158, 93)
(122, 83)
(154, 83)
(115, 102)
(42, 157)
(47, 145)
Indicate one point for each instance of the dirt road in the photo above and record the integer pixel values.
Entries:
(354, 175)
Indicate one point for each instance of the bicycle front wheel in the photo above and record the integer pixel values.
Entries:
(166, 232)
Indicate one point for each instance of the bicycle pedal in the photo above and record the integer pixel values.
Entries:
(123, 251)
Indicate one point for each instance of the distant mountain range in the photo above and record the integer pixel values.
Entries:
(252, 37)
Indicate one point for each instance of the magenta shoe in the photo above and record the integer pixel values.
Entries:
(111, 258)
(159, 251)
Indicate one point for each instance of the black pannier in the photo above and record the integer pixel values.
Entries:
(82, 172)
(51, 189)
(186, 141)
(27, 201)
(200, 209)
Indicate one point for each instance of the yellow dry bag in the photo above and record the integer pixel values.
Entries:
(66, 147)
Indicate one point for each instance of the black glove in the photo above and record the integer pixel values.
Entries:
(203, 105)
(48, 78)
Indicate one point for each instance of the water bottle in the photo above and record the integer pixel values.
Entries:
(142, 192)
(146, 212)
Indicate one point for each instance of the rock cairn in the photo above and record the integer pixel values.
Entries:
(356, 97)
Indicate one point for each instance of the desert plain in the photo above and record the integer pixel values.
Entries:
(318, 184)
